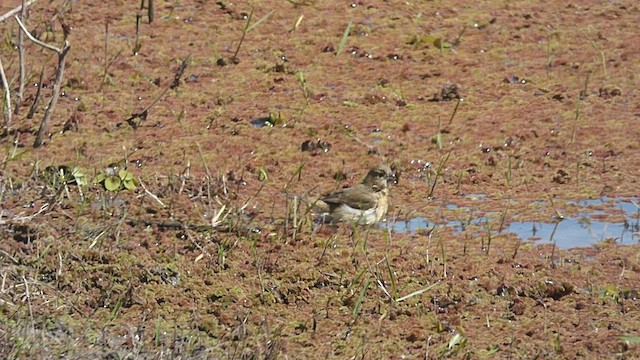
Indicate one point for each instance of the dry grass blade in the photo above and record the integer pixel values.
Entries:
(416, 293)
(153, 196)
(219, 217)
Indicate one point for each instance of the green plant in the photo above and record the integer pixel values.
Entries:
(113, 181)
(303, 85)
(436, 42)
(62, 175)
(363, 292)
(457, 342)
(612, 292)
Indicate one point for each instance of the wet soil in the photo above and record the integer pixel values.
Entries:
(516, 109)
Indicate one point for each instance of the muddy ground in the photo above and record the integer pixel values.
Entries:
(512, 109)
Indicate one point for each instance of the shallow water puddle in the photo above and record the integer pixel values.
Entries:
(584, 229)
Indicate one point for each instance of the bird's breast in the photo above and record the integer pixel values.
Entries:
(361, 217)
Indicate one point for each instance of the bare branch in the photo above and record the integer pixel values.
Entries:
(15, 11)
(57, 85)
(43, 44)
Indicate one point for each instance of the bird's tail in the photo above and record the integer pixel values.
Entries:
(315, 207)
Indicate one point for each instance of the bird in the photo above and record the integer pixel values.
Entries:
(363, 204)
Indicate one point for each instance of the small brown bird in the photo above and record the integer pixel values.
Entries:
(362, 204)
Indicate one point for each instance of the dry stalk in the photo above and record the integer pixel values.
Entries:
(36, 100)
(21, 61)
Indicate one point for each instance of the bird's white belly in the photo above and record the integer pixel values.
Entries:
(361, 217)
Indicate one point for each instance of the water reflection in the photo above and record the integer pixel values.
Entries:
(585, 229)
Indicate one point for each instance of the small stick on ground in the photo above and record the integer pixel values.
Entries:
(455, 110)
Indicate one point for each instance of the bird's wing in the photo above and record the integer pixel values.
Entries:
(358, 197)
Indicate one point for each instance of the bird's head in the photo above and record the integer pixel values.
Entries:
(378, 177)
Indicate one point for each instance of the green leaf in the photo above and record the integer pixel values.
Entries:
(631, 339)
(276, 119)
(112, 183)
(419, 41)
(79, 176)
(129, 184)
(457, 339)
(363, 292)
(125, 175)
(18, 155)
(262, 175)
(99, 178)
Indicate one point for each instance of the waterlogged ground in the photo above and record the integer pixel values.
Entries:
(497, 116)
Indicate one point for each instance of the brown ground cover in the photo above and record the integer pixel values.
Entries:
(504, 109)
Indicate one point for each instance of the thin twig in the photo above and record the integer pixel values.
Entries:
(455, 110)
(7, 97)
(15, 10)
(152, 195)
(15, 261)
(43, 44)
(106, 48)
(174, 84)
(21, 61)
